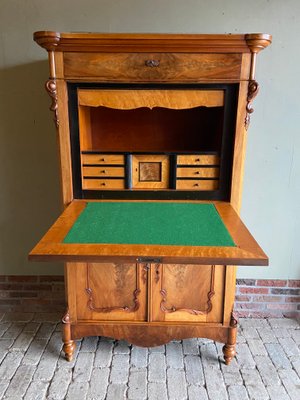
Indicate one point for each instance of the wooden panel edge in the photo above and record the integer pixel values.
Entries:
(239, 233)
(230, 281)
(132, 99)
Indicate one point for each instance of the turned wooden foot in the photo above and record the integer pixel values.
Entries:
(229, 352)
(229, 348)
(68, 348)
(69, 344)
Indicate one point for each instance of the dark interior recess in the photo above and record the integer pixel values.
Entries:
(157, 129)
(200, 129)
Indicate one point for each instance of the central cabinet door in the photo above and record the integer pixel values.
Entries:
(150, 172)
(187, 292)
(111, 291)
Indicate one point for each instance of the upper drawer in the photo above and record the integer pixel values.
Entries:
(104, 171)
(143, 67)
(102, 159)
(189, 172)
(196, 159)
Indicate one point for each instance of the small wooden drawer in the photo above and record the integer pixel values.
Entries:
(198, 172)
(103, 171)
(192, 184)
(198, 159)
(143, 67)
(102, 159)
(103, 184)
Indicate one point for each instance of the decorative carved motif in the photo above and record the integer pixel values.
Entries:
(258, 41)
(157, 273)
(172, 308)
(133, 308)
(91, 304)
(66, 318)
(253, 89)
(51, 89)
(69, 344)
(145, 273)
(47, 40)
(233, 320)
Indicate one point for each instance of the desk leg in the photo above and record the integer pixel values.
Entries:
(229, 348)
(69, 344)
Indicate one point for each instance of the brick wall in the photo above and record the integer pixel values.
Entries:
(254, 298)
(268, 298)
(32, 293)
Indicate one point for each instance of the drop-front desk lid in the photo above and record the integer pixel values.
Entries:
(193, 232)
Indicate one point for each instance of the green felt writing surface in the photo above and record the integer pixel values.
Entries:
(183, 224)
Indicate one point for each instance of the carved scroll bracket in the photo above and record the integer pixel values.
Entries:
(146, 268)
(135, 306)
(172, 308)
(66, 317)
(233, 320)
(51, 89)
(253, 89)
(157, 273)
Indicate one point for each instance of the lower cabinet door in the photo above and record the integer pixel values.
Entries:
(107, 291)
(186, 292)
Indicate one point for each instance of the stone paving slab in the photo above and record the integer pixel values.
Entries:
(32, 366)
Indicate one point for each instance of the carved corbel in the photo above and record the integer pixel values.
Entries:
(256, 43)
(233, 320)
(253, 89)
(51, 89)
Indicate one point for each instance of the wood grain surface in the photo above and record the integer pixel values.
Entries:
(131, 67)
(130, 99)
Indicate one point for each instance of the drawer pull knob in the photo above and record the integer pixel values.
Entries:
(152, 63)
(102, 171)
(103, 184)
(197, 172)
(197, 160)
(196, 184)
(102, 159)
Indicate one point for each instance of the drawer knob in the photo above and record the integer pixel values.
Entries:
(102, 159)
(102, 171)
(197, 172)
(196, 184)
(197, 160)
(103, 184)
(152, 63)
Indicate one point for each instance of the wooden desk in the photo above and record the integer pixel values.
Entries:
(151, 132)
(134, 267)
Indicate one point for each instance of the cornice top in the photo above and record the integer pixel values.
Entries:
(158, 42)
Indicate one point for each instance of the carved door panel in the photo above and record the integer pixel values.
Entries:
(111, 292)
(187, 292)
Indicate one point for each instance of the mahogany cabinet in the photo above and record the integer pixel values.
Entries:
(151, 131)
